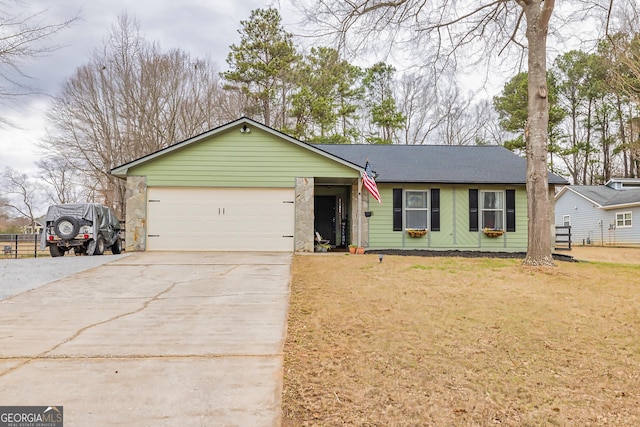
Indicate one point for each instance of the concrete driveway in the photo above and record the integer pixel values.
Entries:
(152, 339)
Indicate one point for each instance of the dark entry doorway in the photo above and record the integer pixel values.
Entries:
(325, 217)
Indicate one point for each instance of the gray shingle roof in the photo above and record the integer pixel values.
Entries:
(487, 164)
(607, 196)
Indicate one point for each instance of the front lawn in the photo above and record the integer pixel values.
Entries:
(418, 341)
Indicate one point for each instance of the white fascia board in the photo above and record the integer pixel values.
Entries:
(621, 206)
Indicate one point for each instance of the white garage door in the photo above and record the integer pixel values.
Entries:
(220, 219)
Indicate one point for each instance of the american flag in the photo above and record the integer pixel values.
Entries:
(369, 183)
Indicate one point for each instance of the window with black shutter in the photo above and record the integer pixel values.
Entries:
(511, 210)
(473, 210)
(435, 209)
(397, 209)
(416, 209)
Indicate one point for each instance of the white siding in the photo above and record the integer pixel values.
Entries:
(594, 224)
(624, 235)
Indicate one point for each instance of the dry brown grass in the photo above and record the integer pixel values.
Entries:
(454, 342)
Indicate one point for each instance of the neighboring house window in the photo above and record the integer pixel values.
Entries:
(566, 220)
(623, 219)
(492, 209)
(416, 209)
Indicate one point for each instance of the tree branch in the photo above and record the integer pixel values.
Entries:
(513, 35)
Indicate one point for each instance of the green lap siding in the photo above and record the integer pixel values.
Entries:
(464, 237)
(235, 159)
(454, 231)
(381, 234)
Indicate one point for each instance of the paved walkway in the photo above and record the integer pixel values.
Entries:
(152, 339)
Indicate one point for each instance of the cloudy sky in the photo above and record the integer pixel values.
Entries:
(199, 27)
(203, 28)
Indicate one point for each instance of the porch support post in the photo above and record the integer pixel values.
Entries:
(360, 211)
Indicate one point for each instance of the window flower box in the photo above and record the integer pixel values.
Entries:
(416, 232)
(492, 232)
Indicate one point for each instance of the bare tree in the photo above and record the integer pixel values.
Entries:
(418, 103)
(463, 122)
(22, 40)
(441, 114)
(3, 206)
(20, 194)
(491, 132)
(60, 176)
(440, 29)
(130, 100)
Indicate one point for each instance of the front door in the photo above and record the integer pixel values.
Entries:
(325, 217)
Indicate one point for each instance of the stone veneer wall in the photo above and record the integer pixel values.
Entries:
(136, 212)
(303, 232)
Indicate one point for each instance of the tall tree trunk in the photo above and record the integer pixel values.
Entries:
(574, 142)
(587, 149)
(623, 137)
(538, 13)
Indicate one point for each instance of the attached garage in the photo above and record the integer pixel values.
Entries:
(220, 219)
(240, 187)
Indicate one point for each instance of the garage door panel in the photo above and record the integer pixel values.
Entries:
(214, 219)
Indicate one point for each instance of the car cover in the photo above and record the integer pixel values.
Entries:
(94, 212)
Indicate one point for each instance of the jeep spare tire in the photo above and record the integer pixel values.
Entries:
(66, 227)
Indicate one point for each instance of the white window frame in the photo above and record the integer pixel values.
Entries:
(566, 220)
(621, 220)
(406, 209)
(482, 209)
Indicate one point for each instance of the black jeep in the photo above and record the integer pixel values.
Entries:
(88, 228)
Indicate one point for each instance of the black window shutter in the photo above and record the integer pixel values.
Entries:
(473, 210)
(397, 209)
(511, 210)
(435, 209)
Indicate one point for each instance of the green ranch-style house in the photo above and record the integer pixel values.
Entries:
(246, 187)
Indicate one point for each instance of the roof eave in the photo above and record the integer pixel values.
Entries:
(620, 206)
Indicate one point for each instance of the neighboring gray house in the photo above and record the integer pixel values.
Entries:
(601, 214)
